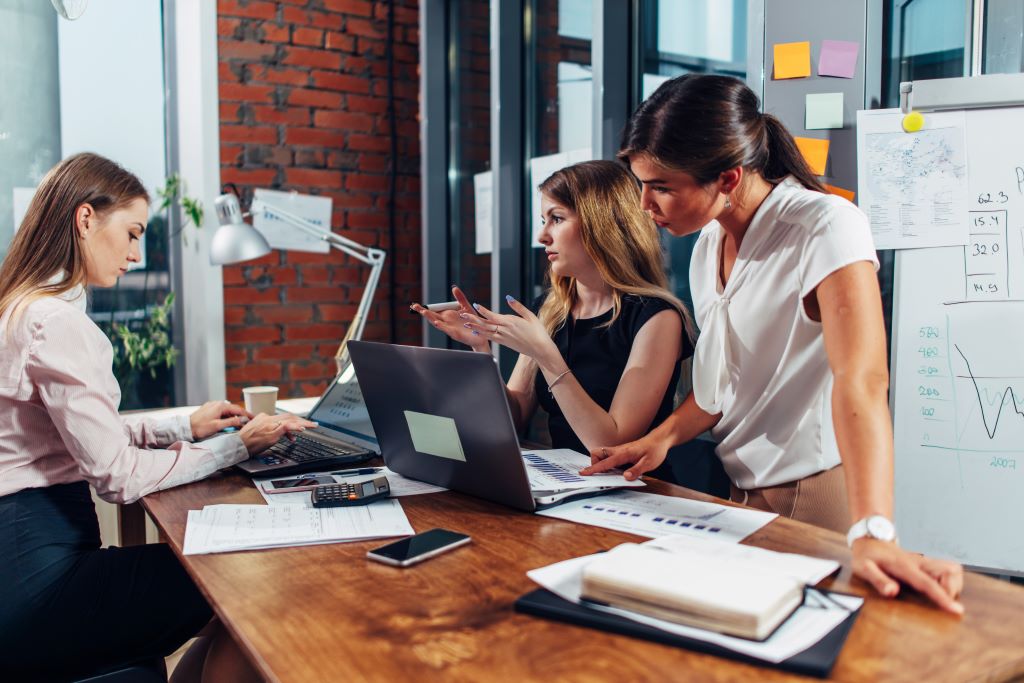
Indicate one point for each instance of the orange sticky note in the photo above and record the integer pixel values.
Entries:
(792, 60)
(848, 195)
(815, 153)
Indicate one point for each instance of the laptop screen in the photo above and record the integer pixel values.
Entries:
(342, 409)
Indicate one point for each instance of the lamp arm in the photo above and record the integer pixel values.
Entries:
(355, 329)
(350, 247)
(369, 255)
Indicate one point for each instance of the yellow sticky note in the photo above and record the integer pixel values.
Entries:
(848, 195)
(792, 60)
(815, 153)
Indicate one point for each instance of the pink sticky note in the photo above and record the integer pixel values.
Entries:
(838, 58)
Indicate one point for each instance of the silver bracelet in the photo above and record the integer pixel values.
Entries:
(551, 386)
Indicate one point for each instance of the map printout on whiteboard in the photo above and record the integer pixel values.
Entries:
(913, 186)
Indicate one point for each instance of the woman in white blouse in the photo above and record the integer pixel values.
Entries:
(789, 371)
(67, 607)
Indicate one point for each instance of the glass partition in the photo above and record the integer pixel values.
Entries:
(56, 107)
(470, 147)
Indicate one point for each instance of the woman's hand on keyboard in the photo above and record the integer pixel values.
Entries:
(263, 431)
(213, 416)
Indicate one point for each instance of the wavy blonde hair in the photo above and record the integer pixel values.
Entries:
(617, 235)
(47, 242)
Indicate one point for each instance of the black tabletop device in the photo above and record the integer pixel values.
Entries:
(355, 493)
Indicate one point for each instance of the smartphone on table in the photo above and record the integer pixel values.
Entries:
(417, 548)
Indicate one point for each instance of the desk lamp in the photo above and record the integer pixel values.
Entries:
(236, 241)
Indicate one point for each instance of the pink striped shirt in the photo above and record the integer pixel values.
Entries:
(58, 413)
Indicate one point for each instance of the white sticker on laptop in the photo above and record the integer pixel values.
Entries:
(434, 435)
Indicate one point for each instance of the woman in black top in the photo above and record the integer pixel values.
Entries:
(601, 350)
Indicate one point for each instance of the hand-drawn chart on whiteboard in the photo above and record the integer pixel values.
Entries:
(958, 367)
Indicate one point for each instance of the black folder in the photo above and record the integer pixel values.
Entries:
(816, 661)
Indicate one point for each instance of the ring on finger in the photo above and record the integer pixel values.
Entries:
(495, 330)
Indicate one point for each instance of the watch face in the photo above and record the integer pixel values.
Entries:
(881, 528)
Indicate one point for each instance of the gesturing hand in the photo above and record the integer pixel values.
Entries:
(643, 454)
(886, 565)
(263, 431)
(451, 322)
(213, 416)
(522, 331)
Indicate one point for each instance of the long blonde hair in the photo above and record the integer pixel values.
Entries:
(618, 236)
(47, 242)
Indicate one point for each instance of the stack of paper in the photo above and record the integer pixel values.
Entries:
(737, 599)
(223, 528)
(811, 622)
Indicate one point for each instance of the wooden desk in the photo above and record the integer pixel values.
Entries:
(325, 613)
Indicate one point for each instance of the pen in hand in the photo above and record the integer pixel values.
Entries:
(437, 308)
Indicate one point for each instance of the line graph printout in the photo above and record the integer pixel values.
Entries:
(958, 369)
(913, 185)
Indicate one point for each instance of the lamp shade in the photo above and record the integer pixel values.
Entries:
(235, 240)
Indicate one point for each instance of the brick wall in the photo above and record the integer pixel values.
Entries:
(303, 107)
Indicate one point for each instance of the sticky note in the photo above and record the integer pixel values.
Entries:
(848, 195)
(792, 60)
(913, 122)
(824, 110)
(815, 153)
(838, 58)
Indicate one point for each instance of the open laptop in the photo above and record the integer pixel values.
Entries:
(345, 435)
(442, 417)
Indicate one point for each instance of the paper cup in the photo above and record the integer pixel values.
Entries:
(260, 399)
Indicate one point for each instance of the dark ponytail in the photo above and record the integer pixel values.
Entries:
(705, 124)
(785, 158)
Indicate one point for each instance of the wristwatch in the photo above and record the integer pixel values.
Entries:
(878, 527)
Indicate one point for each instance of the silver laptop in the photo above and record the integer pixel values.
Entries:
(344, 437)
(442, 417)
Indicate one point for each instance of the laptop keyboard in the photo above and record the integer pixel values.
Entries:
(305, 449)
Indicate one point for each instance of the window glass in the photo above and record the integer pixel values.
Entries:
(685, 36)
(927, 39)
(470, 152)
(56, 107)
(689, 36)
(1004, 37)
(559, 109)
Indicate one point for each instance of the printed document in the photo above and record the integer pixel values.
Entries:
(558, 469)
(223, 528)
(652, 515)
(400, 486)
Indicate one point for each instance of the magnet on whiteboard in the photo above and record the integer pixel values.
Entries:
(913, 122)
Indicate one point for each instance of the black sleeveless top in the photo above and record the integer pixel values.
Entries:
(597, 356)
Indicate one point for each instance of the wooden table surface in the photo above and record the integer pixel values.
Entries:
(325, 613)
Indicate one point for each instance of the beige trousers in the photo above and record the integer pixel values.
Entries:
(819, 499)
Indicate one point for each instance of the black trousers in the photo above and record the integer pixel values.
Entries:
(69, 608)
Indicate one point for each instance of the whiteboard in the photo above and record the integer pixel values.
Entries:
(958, 367)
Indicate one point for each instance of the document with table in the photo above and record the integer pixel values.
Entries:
(224, 528)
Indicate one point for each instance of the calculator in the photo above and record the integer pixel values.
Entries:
(344, 494)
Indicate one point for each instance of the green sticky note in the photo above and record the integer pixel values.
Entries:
(824, 110)
(434, 435)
